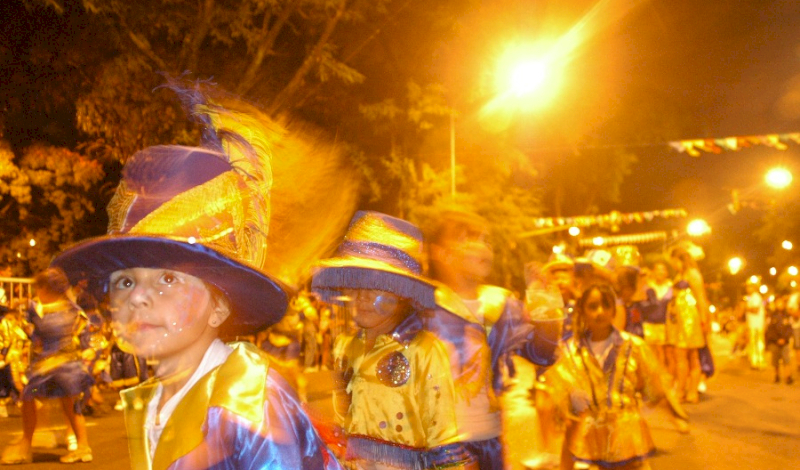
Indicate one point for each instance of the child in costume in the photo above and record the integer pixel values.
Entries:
(595, 387)
(183, 262)
(57, 369)
(778, 337)
(402, 396)
(461, 258)
(654, 316)
(687, 324)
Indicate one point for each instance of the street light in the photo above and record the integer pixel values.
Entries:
(521, 73)
(778, 177)
(792, 270)
(735, 265)
(698, 228)
(787, 245)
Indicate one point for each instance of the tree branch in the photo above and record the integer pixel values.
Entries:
(191, 44)
(265, 47)
(297, 80)
(142, 44)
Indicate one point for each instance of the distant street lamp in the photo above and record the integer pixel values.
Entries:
(698, 228)
(519, 76)
(792, 270)
(773, 271)
(574, 231)
(735, 265)
(778, 178)
(787, 245)
(32, 242)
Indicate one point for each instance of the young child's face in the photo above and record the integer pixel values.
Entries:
(598, 312)
(157, 313)
(374, 308)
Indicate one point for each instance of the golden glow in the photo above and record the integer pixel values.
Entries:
(792, 270)
(697, 228)
(574, 231)
(32, 242)
(778, 177)
(735, 265)
(598, 241)
(558, 249)
(763, 289)
(773, 271)
(787, 245)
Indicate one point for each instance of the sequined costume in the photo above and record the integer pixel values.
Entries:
(401, 407)
(56, 368)
(683, 327)
(600, 401)
(633, 318)
(509, 333)
(240, 415)
(654, 315)
(12, 364)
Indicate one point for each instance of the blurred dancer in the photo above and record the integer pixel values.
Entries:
(57, 371)
(755, 313)
(595, 387)
(184, 260)
(687, 324)
(778, 337)
(659, 296)
(461, 258)
(560, 272)
(400, 383)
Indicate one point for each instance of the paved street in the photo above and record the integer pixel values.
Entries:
(744, 422)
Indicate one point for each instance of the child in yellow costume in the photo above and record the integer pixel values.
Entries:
(402, 396)
(184, 264)
(595, 385)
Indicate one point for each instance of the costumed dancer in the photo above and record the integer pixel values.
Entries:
(687, 324)
(596, 384)
(560, 272)
(630, 285)
(461, 258)
(755, 313)
(13, 347)
(654, 316)
(183, 263)
(57, 370)
(401, 393)
(282, 344)
(778, 336)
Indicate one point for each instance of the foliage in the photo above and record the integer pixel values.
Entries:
(51, 193)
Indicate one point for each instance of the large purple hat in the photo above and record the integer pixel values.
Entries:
(191, 210)
(379, 252)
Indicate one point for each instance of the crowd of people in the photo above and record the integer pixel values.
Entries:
(423, 349)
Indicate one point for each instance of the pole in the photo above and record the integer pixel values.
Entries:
(452, 154)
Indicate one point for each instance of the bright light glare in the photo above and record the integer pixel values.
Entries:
(792, 270)
(697, 228)
(32, 242)
(787, 245)
(598, 241)
(773, 271)
(763, 289)
(735, 265)
(558, 249)
(574, 231)
(712, 308)
(793, 283)
(527, 77)
(778, 178)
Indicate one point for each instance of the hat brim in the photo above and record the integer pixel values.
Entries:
(256, 299)
(556, 265)
(350, 272)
